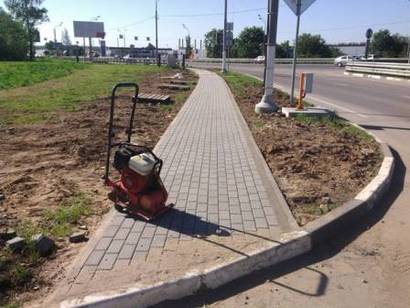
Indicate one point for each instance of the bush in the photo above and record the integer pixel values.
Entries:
(13, 38)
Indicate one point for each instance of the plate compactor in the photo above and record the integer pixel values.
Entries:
(139, 191)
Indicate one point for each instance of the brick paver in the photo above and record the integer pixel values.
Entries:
(210, 170)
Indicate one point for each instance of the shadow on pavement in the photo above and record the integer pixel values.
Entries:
(324, 251)
(377, 127)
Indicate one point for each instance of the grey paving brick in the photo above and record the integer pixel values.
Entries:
(95, 257)
(110, 231)
(261, 222)
(133, 238)
(115, 246)
(138, 226)
(108, 261)
(126, 252)
(103, 243)
(143, 244)
(122, 233)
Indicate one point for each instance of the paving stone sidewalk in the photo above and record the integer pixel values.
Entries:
(215, 176)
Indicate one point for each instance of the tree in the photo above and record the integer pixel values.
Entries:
(13, 38)
(249, 43)
(31, 14)
(65, 38)
(314, 46)
(385, 45)
(213, 43)
(284, 50)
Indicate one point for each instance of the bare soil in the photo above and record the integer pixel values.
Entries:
(43, 164)
(318, 166)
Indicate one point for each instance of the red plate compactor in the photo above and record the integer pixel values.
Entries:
(139, 190)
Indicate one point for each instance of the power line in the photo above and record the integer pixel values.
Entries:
(215, 14)
(134, 23)
(355, 27)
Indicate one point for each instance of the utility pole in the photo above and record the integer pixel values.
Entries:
(295, 50)
(156, 32)
(267, 105)
(224, 69)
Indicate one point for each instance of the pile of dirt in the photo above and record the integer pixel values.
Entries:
(43, 164)
(318, 165)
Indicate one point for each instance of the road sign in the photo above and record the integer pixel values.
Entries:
(229, 26)
(369, 33)
(304, 5)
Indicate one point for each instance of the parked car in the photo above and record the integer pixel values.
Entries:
(259, 59)
(342, 60)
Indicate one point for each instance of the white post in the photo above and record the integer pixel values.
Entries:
(295, 50)
(267, 103)
(224, 69)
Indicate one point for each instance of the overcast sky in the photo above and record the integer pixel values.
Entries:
(337, 21)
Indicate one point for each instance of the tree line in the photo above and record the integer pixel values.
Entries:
(250, 44)
(19, 28)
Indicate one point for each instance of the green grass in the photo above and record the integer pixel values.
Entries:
(58, 222)
(36, 103)
(239, 82)
(69, 213)
(20, 74)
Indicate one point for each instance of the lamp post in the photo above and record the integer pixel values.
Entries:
(263, 20)
(267, 104)
(224, 68)
(156, 33)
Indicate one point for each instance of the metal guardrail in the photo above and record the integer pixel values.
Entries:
(379, 68)
(290, 60)
(278, 60)
(126, 61)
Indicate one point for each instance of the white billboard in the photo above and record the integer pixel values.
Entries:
(89, 29)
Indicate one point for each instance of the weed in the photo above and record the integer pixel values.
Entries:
(20, 275)
(259, 124)
(70, 212)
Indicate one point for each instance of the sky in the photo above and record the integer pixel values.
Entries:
(337, 21)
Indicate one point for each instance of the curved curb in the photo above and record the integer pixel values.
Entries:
(290, 245)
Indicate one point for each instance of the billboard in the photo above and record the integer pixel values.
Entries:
(89, 29)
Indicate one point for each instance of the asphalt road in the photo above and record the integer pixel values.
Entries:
(369, 264)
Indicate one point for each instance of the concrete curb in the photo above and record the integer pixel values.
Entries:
(290, 245)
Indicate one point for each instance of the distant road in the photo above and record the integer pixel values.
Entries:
(353, 97)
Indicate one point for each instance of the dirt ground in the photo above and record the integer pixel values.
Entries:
(43, 164)
(317, 166)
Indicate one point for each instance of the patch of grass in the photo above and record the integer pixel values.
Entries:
(20, 274)
(69, 213)
(20, 74)
(27, 105)
(239, 82)
(259, 124)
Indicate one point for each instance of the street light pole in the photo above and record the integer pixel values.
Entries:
(156, 32)
(295, 50)
(267, 104)
(224, 69)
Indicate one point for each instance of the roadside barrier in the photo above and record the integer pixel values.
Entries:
(379, 68)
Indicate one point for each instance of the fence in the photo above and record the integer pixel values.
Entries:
(379, 68)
